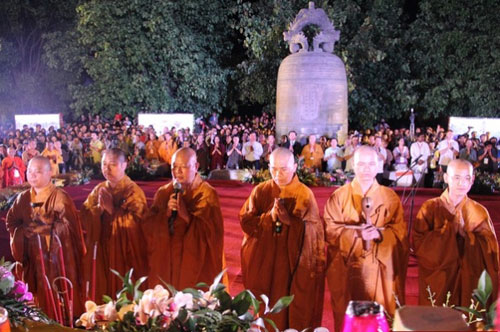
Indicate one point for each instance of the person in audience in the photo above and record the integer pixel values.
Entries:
(292, 144)
(53, 155)
(401, 155)
(333, 156)
(366, 260)
(454, 241)
(283, 247)
(234, 154)
(382, 156)
(217, 152)
(184, 229)
(488, 158)
(13, 169)
(312, 153)
(112, 216)
(349, 152)
(41, 220)
(268, 148)
(420, 153)
(30, 151)
(448, 150)
(252, 150)
(469, 153)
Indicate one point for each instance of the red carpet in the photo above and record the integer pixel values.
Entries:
(232, 196)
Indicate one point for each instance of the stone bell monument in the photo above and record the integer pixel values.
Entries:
(312, 85)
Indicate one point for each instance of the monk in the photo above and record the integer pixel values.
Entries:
(279, 260)
(112, 217)
(13, 169)
(368, 262)
(188, 248)
(312, 154)
(36, 218)
(454, 241)
(53, 155)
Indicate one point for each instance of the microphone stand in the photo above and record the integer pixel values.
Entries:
(394, 182)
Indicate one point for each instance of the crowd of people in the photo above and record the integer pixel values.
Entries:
(240, 142)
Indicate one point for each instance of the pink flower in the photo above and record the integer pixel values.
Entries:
(20, 291)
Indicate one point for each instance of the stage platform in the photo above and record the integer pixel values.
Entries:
(232, 196)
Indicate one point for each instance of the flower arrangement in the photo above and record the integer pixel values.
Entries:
(139, 169)
(15, 297)
(166, 309)
(8, 195)
(486, 183)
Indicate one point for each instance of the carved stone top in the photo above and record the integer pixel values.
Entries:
(322, 42)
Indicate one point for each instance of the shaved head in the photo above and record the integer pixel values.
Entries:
(363, 150)
(282, 166)
(185, 153)
(282, 154)
(459, 163)
(116, 153)
(42, 162)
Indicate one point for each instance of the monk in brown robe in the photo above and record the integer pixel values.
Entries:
(36, 218)
(279, 260)
(355, 272)
(454, 241)
(192, 250)
(112, 217)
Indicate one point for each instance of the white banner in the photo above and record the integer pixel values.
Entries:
(460, 125)
(163, 122)
(44, 120)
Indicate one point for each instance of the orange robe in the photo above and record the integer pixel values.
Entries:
(152, 150)
(166, 151)
(13, 171)
(449, 260)
(120, 241)
(194, 253)
(57, 209)
(353, 273)
(312, 159)
(54, 157)
(291, 263)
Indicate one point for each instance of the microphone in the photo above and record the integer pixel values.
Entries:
(173, 216)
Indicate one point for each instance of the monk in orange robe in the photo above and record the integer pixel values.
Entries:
(13, 169)
(167, 149)
(43, 212)
(291, 260)
(312, 154)
(192, 250)
(454, 241)
(112, 217)
(152, 148)
(54, 156)
(376, 273)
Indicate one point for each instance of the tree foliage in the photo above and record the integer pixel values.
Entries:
(153, 56)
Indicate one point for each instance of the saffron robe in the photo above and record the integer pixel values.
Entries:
(312, 159)
(194, 253)
(54, 157)
(13, 171)
(119, 237)
(167, 150)
(452, 260)
(293, 262)
(377, 274)
(151, 148)
(57, 209)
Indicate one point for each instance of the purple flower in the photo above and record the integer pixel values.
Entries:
(20, 291)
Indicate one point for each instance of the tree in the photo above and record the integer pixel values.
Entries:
(26, 83)
(455, 58)
(153, 56)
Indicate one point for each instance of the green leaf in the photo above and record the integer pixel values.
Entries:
(282, 303)
(241, 303)
(266, 303)
(273, 325)
(485, 285)
(469, 310)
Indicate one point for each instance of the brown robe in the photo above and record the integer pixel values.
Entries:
(57, 209)
(377, 274)
(312, 159)
(120, 241)
(194, 253)
(291, 263)
(449, 260)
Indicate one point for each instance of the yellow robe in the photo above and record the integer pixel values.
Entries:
(54, 157)
(120, 241)
(152, 149)
(353, 273)
(57, 209)
(448, 260)
(166, 151)
(312, 159)
(291, 263)
(194, 253)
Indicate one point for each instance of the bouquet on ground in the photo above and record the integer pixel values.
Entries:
(165, 309)
(15, 297)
